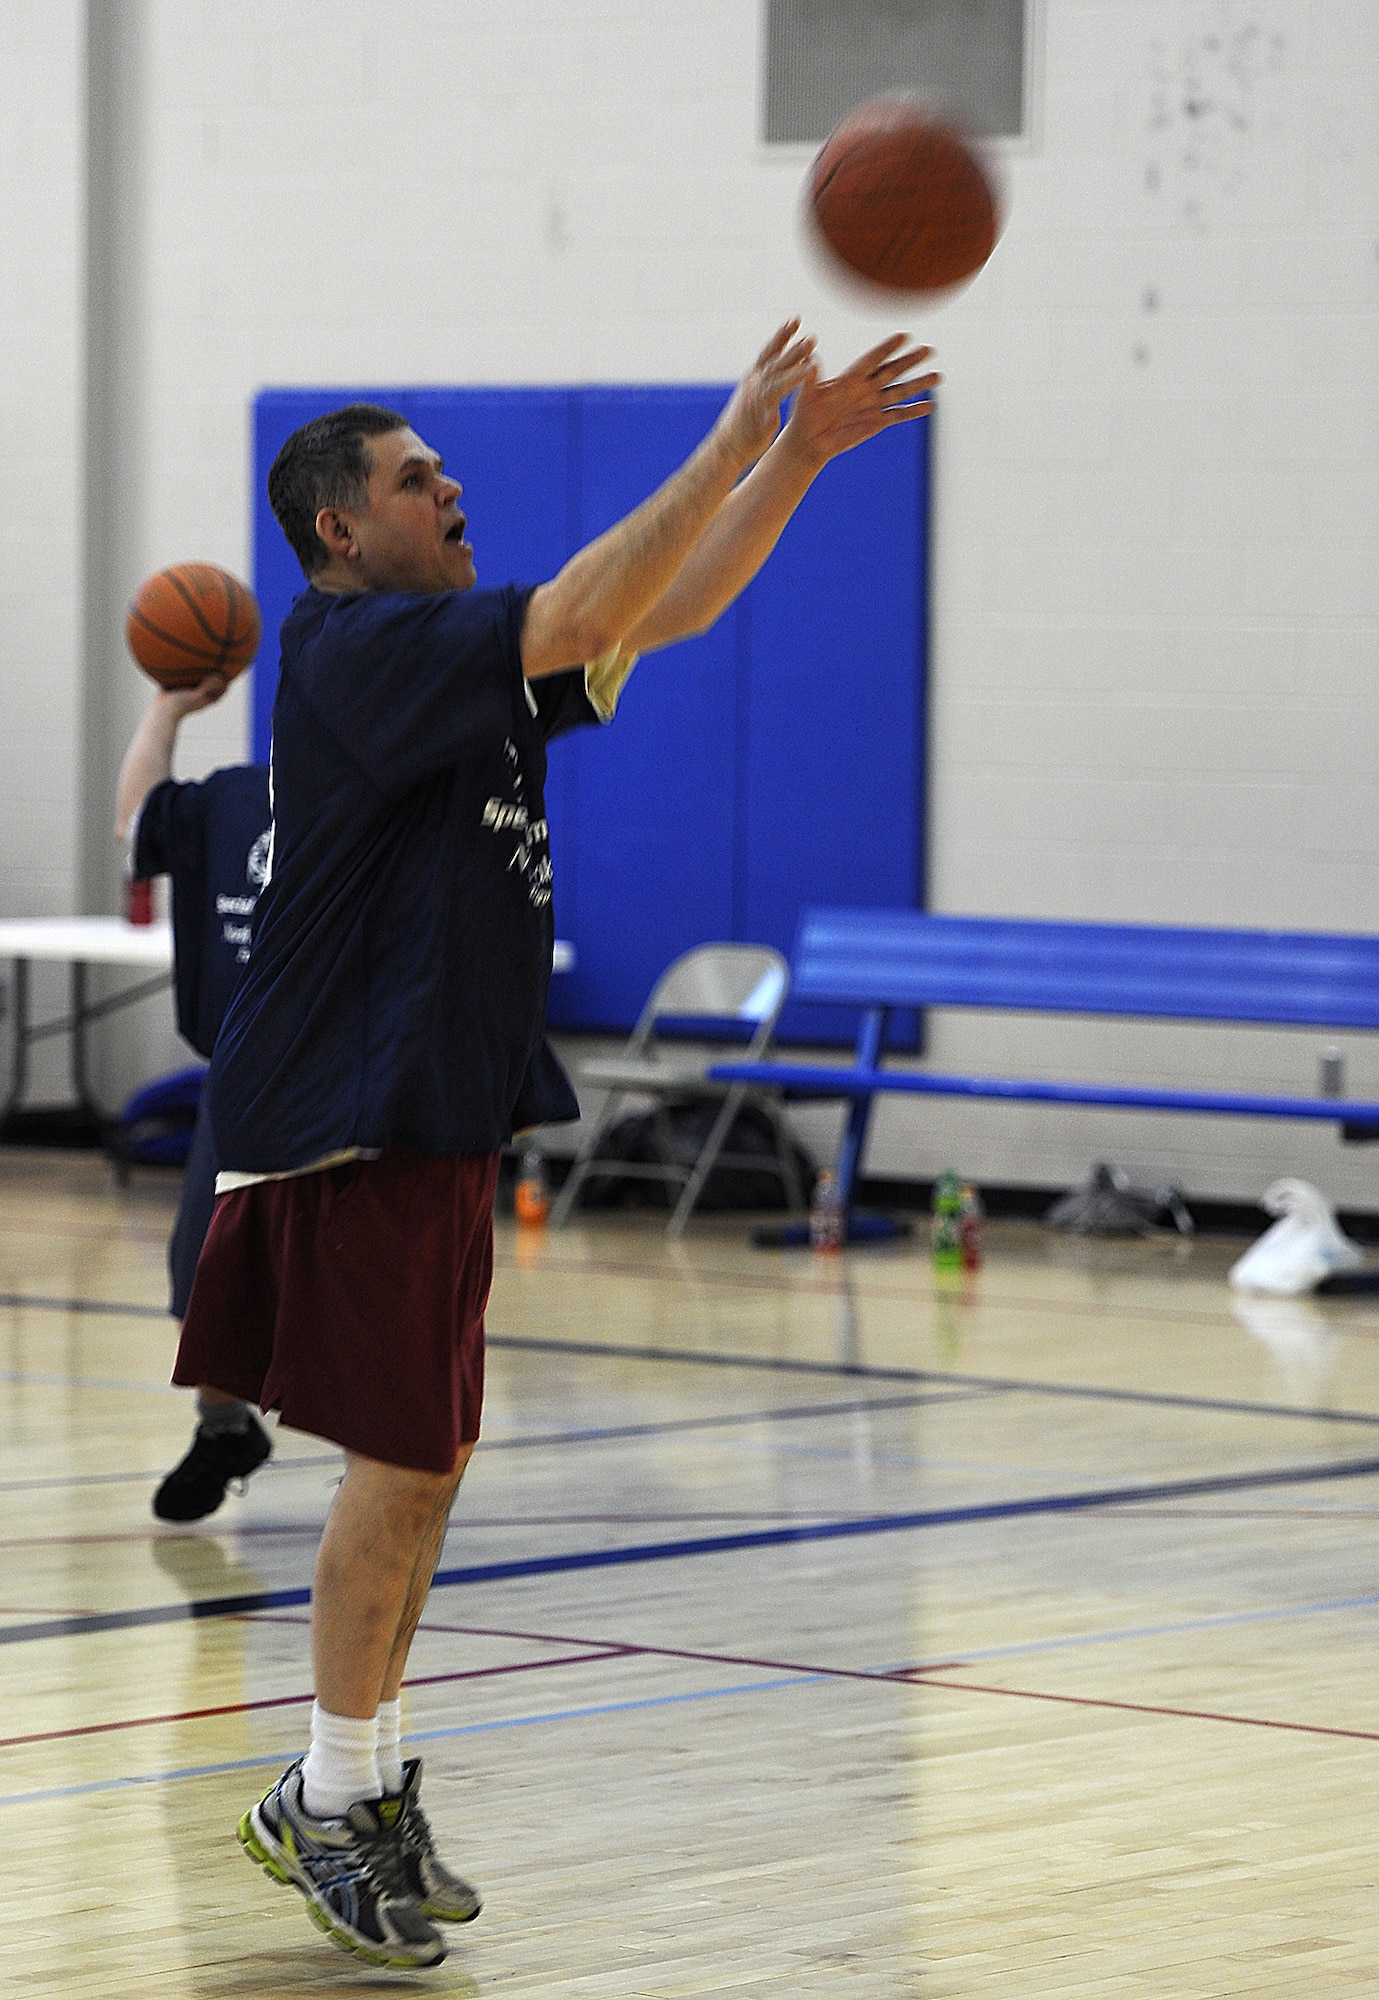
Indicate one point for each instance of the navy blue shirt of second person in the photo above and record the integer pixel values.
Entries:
(211, 837)
(395, 993)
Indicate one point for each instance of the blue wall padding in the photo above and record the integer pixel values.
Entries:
(834, 724)
(648, 844)
(775, 762)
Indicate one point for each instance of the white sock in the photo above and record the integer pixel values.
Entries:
(341, 1765)
(390, 1744)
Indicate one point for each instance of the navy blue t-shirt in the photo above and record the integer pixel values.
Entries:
(395, 993)
(211, 837)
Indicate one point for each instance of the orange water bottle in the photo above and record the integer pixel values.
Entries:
(531, 1199)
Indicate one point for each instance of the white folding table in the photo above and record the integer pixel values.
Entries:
(80, 942)
(77, 942)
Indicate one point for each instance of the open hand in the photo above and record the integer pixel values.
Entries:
(752, 417)
(881, 388)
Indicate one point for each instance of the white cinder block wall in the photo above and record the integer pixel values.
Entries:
(1157, 598)
(42, 506)
(41, 510)
(1156, 592)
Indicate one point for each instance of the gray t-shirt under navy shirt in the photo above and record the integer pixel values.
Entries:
(395, 994)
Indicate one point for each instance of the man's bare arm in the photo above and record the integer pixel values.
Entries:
(148, 760)
(882, 388)
(610, 585)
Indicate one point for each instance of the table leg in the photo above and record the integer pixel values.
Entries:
(82, 1120)
(80, 1086)
(20, 1074)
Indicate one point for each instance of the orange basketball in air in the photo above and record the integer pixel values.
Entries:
(902, 199)
(192, 620)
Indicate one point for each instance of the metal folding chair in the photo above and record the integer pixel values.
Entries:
(741, 984)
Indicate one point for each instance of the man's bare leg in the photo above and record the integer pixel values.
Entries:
(373, 1573)
(365, 1864)
(424, 1569)
(382, 1519)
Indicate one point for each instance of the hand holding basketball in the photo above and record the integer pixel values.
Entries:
(881, 388)
(191, 621)
(184, 701)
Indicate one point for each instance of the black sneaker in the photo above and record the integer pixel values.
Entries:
(197, 1486)
(350, 1871)
(447, 1897)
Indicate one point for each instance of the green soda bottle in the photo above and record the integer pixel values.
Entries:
(945, 1226)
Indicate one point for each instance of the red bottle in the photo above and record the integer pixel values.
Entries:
(970, 1221)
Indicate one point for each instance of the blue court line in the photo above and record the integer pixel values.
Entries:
(784, 1413)
(780, 1364)
(616, 1707)
(275, 1464)
(35, 1378)
(139, 1778)
(87, 1624)
(1123, 1635)
(522, 1441)
(969, 1655)
(275, 1759)
(111, 1308)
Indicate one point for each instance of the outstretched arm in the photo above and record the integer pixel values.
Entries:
(148, 760)
(609, 586)
(880, 389)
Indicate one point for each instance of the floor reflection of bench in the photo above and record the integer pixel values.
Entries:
(882, 960)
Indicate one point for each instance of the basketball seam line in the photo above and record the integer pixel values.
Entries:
(183, 646)
(218, 640)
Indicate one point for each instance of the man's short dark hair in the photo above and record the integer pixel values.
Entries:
(324, 464)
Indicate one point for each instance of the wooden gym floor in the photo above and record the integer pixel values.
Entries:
(801, 1631)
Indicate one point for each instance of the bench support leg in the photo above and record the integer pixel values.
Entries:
(869, 1035)
(857, 1228)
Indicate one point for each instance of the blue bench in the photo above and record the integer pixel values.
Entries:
(881, 960)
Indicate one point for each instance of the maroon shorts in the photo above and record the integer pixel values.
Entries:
(352, 1301)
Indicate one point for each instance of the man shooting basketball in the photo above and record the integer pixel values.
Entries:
(387, 1036)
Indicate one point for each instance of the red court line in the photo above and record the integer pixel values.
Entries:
(597, 1650)
(619, 1649)
(897, 1677)
(920, 1677)
(297, 1700)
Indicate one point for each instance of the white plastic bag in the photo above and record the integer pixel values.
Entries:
(1304, 1246)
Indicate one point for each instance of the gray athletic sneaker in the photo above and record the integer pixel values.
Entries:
(350, 1870)
(439, 1893)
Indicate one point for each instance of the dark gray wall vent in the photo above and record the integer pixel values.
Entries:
(825, 56)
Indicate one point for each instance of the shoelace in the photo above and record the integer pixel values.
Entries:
(415, 1829)
(383, 1860)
